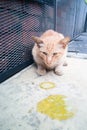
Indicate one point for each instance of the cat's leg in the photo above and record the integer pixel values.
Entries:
(59, 70)
(41, 70)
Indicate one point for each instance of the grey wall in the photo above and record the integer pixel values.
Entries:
(71, 16)
(72, 21)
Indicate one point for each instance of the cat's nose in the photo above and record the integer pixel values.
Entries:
(49, 60)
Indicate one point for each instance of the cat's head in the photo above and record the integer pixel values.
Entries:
(51, 49)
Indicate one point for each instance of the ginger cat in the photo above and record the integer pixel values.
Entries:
(49, 52)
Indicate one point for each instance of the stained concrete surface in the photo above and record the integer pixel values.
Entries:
(20, 94)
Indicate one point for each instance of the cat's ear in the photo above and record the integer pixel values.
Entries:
(38, 41)
(65, 41)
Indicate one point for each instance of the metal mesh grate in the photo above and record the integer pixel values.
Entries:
(19, 20)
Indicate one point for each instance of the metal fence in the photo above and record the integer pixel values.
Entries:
(19, 20)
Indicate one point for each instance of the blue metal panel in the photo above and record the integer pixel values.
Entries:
(80, 19)
(72, 21)
(79, 44)
(66, 13)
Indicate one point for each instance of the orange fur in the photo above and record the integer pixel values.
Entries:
(49, 51)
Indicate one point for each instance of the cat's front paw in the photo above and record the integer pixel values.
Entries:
(65, 63)
(59, 71)
(41, 72)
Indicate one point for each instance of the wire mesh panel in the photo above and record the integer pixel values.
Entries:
(19, 20)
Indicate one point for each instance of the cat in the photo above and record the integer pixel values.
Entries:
(49, 52)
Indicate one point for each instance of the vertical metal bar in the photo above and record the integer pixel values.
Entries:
(55, 15)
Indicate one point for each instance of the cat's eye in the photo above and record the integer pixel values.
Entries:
(55, 53)
(44, 53)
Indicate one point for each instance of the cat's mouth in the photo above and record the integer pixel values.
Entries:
(49, 65)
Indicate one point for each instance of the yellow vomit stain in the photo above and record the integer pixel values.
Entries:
(47, 85)
(55, 107)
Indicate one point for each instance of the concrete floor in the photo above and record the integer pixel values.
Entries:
(20, 94)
